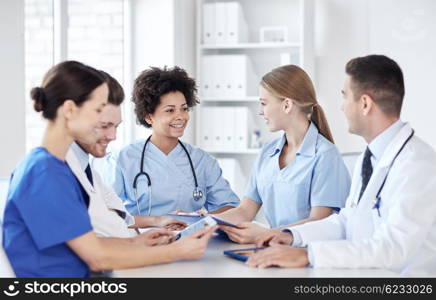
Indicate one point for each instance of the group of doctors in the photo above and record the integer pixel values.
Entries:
(62, 220)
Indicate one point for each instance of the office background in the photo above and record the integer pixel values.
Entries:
(126, 36)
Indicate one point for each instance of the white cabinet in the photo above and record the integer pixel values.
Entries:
(237, 43)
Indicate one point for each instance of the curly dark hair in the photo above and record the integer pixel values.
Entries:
(153, 83)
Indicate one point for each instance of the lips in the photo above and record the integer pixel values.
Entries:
(178, 126)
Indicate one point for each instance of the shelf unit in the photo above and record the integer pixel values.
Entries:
(297, 17)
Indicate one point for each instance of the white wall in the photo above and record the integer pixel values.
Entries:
(408, 35)
(152, 41)
(402, 29)
(12, 134)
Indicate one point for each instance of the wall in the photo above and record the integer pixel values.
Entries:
(408, 35)
(404, 30)
(152, 41)
(11, 84)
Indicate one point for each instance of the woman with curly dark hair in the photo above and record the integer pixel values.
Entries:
(161, 174)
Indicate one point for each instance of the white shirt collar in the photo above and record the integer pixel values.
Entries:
(81, 155)
(380, 142)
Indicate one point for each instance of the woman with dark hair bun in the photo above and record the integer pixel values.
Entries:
(47, 231)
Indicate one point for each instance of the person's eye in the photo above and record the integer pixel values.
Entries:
(98, 110)
(186, 109)
(170, 111)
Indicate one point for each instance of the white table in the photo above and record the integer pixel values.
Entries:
(215, 264)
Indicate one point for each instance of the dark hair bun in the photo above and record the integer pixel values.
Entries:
(38, 95)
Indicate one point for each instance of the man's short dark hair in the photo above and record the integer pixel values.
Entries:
(153, 83)
(116, 93)
(379, 77)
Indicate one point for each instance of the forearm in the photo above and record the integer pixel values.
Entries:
(128, 254)
(222, 209)
(144, 221)
(236, 215)
(316, 213)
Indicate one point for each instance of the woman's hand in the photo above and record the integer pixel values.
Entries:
(169, 223)
(193, 246)
(244, 233)
(154, 237)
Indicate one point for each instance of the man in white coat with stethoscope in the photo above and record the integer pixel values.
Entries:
(389, 220)
(108, 215)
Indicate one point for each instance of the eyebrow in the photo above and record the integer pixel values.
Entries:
(172, 106)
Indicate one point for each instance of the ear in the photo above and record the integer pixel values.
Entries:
(367, 104)
(148, 119)
(287, 105)
(68, 109)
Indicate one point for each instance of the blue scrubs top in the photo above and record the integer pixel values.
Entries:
(317, 177)
(44, 210)
(172, 181)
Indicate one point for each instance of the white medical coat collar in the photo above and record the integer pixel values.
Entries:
(75, 166)
(394, 146)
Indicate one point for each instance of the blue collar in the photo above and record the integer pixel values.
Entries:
(307, 147)
(381, 142)
(81, 155)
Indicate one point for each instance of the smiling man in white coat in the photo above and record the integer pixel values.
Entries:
(109, 217)
(389, 220)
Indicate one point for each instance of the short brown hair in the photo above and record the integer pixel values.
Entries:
(116, 92)
(153, 83)
(379, 77)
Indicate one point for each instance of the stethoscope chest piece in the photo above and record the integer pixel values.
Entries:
(197, 194)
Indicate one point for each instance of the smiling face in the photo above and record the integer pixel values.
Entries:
(110, 119)
(271, 108)
(170, 117)
(84, 121)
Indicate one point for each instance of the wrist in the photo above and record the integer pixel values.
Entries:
(287, 234)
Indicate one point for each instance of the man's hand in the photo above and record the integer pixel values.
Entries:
(273, 237)
(245, 233)
(154, 237)
(279, 256)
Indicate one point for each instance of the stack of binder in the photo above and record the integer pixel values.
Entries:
(227, 76)
(233, 173)
(223, 23)
(225, 128)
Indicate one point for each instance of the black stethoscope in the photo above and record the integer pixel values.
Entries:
(378, 198)
(197, 194)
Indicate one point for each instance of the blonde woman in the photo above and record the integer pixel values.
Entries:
(298, 177)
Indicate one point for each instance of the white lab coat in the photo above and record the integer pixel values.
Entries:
(403, 238)
(102, 203)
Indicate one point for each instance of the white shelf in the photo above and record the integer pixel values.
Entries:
(241, 151)
(233, 99)
(251, 46)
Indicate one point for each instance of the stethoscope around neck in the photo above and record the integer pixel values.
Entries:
(378, 197)
(197, 194)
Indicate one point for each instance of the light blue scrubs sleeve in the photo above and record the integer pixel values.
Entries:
(119, 186)
(330, 181)
(53, 209)
(218, 190)
(251, 191)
